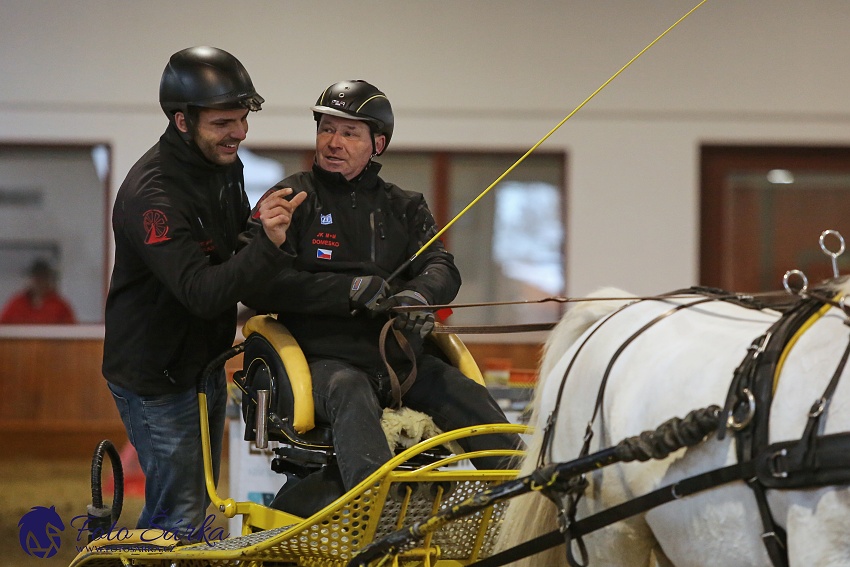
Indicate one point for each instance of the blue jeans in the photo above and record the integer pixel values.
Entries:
(166, 432)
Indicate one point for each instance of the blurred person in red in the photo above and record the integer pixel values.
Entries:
(39, 303)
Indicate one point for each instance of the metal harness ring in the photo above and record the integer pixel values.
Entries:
(735, 425)
(786, 278)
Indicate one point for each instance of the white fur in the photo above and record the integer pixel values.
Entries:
(405, 427)
(684, 362)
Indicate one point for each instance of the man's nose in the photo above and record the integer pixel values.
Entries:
(336, 140)
(239, 132)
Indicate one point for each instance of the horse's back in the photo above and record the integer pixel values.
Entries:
(658, 361)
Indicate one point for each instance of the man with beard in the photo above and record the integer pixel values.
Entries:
(180, 269)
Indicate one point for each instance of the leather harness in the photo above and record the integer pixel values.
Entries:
(814, 460)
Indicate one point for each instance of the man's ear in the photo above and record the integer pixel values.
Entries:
(380, 144)
(180, 122)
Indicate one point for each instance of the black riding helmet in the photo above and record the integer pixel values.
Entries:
(206, 77)
(358, 100)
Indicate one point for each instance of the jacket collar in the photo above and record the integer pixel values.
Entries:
(368, 178)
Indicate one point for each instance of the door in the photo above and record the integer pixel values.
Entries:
(763, 209)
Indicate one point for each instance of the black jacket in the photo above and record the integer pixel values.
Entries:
(346, 229)
(177, 277)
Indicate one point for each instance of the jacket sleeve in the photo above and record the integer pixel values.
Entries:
(292, 290)
(160, 231)
(433, 273)
(296, 291)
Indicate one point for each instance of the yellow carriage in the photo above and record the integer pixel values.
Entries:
(406, 490)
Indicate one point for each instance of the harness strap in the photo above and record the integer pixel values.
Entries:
(399, 389)
(808, 462)
(708, 295)
(798, 464)
(751, 392)
(773, 537)
(685, 487)
(743, 404)
(493, 329)
(600, 396)
(553, 415)
(813, 425)
(777, 467)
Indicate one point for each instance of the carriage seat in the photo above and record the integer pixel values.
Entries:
(273, 361)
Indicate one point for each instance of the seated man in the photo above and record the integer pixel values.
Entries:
(353, 231)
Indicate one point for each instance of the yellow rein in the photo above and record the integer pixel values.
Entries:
(543, 139)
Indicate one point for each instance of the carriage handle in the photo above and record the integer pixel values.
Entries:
(262, 421)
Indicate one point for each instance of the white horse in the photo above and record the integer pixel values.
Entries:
(684, 362)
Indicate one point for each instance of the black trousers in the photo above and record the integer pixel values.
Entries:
(352, 400)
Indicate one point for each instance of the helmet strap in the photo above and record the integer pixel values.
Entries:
(374, 135)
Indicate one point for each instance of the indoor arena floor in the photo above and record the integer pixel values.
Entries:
(65, 484)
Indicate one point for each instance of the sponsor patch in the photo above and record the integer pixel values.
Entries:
(326, 219)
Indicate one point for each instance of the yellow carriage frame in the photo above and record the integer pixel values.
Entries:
(392, 498)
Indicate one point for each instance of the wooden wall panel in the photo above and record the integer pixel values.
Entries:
(54, 401)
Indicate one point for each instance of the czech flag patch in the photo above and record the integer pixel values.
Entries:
(324, 253)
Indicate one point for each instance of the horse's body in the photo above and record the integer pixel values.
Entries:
(684, 362)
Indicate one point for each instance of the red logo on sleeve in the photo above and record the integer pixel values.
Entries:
(256, 213)
(156, 227)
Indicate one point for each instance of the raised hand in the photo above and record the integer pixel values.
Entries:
(275, 212)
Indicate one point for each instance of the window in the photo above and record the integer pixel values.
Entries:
(53, 208)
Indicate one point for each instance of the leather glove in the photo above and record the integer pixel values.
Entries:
(418, 321)
(367, 292)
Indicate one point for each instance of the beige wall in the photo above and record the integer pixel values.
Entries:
(464, 74)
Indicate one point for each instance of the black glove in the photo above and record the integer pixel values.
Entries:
(416, 321)
(367, 291)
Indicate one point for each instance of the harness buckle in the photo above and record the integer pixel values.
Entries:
(675, 493)
(774, 465)
(774, 536)
(588, 432)
(763, 346)
(818, 408)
